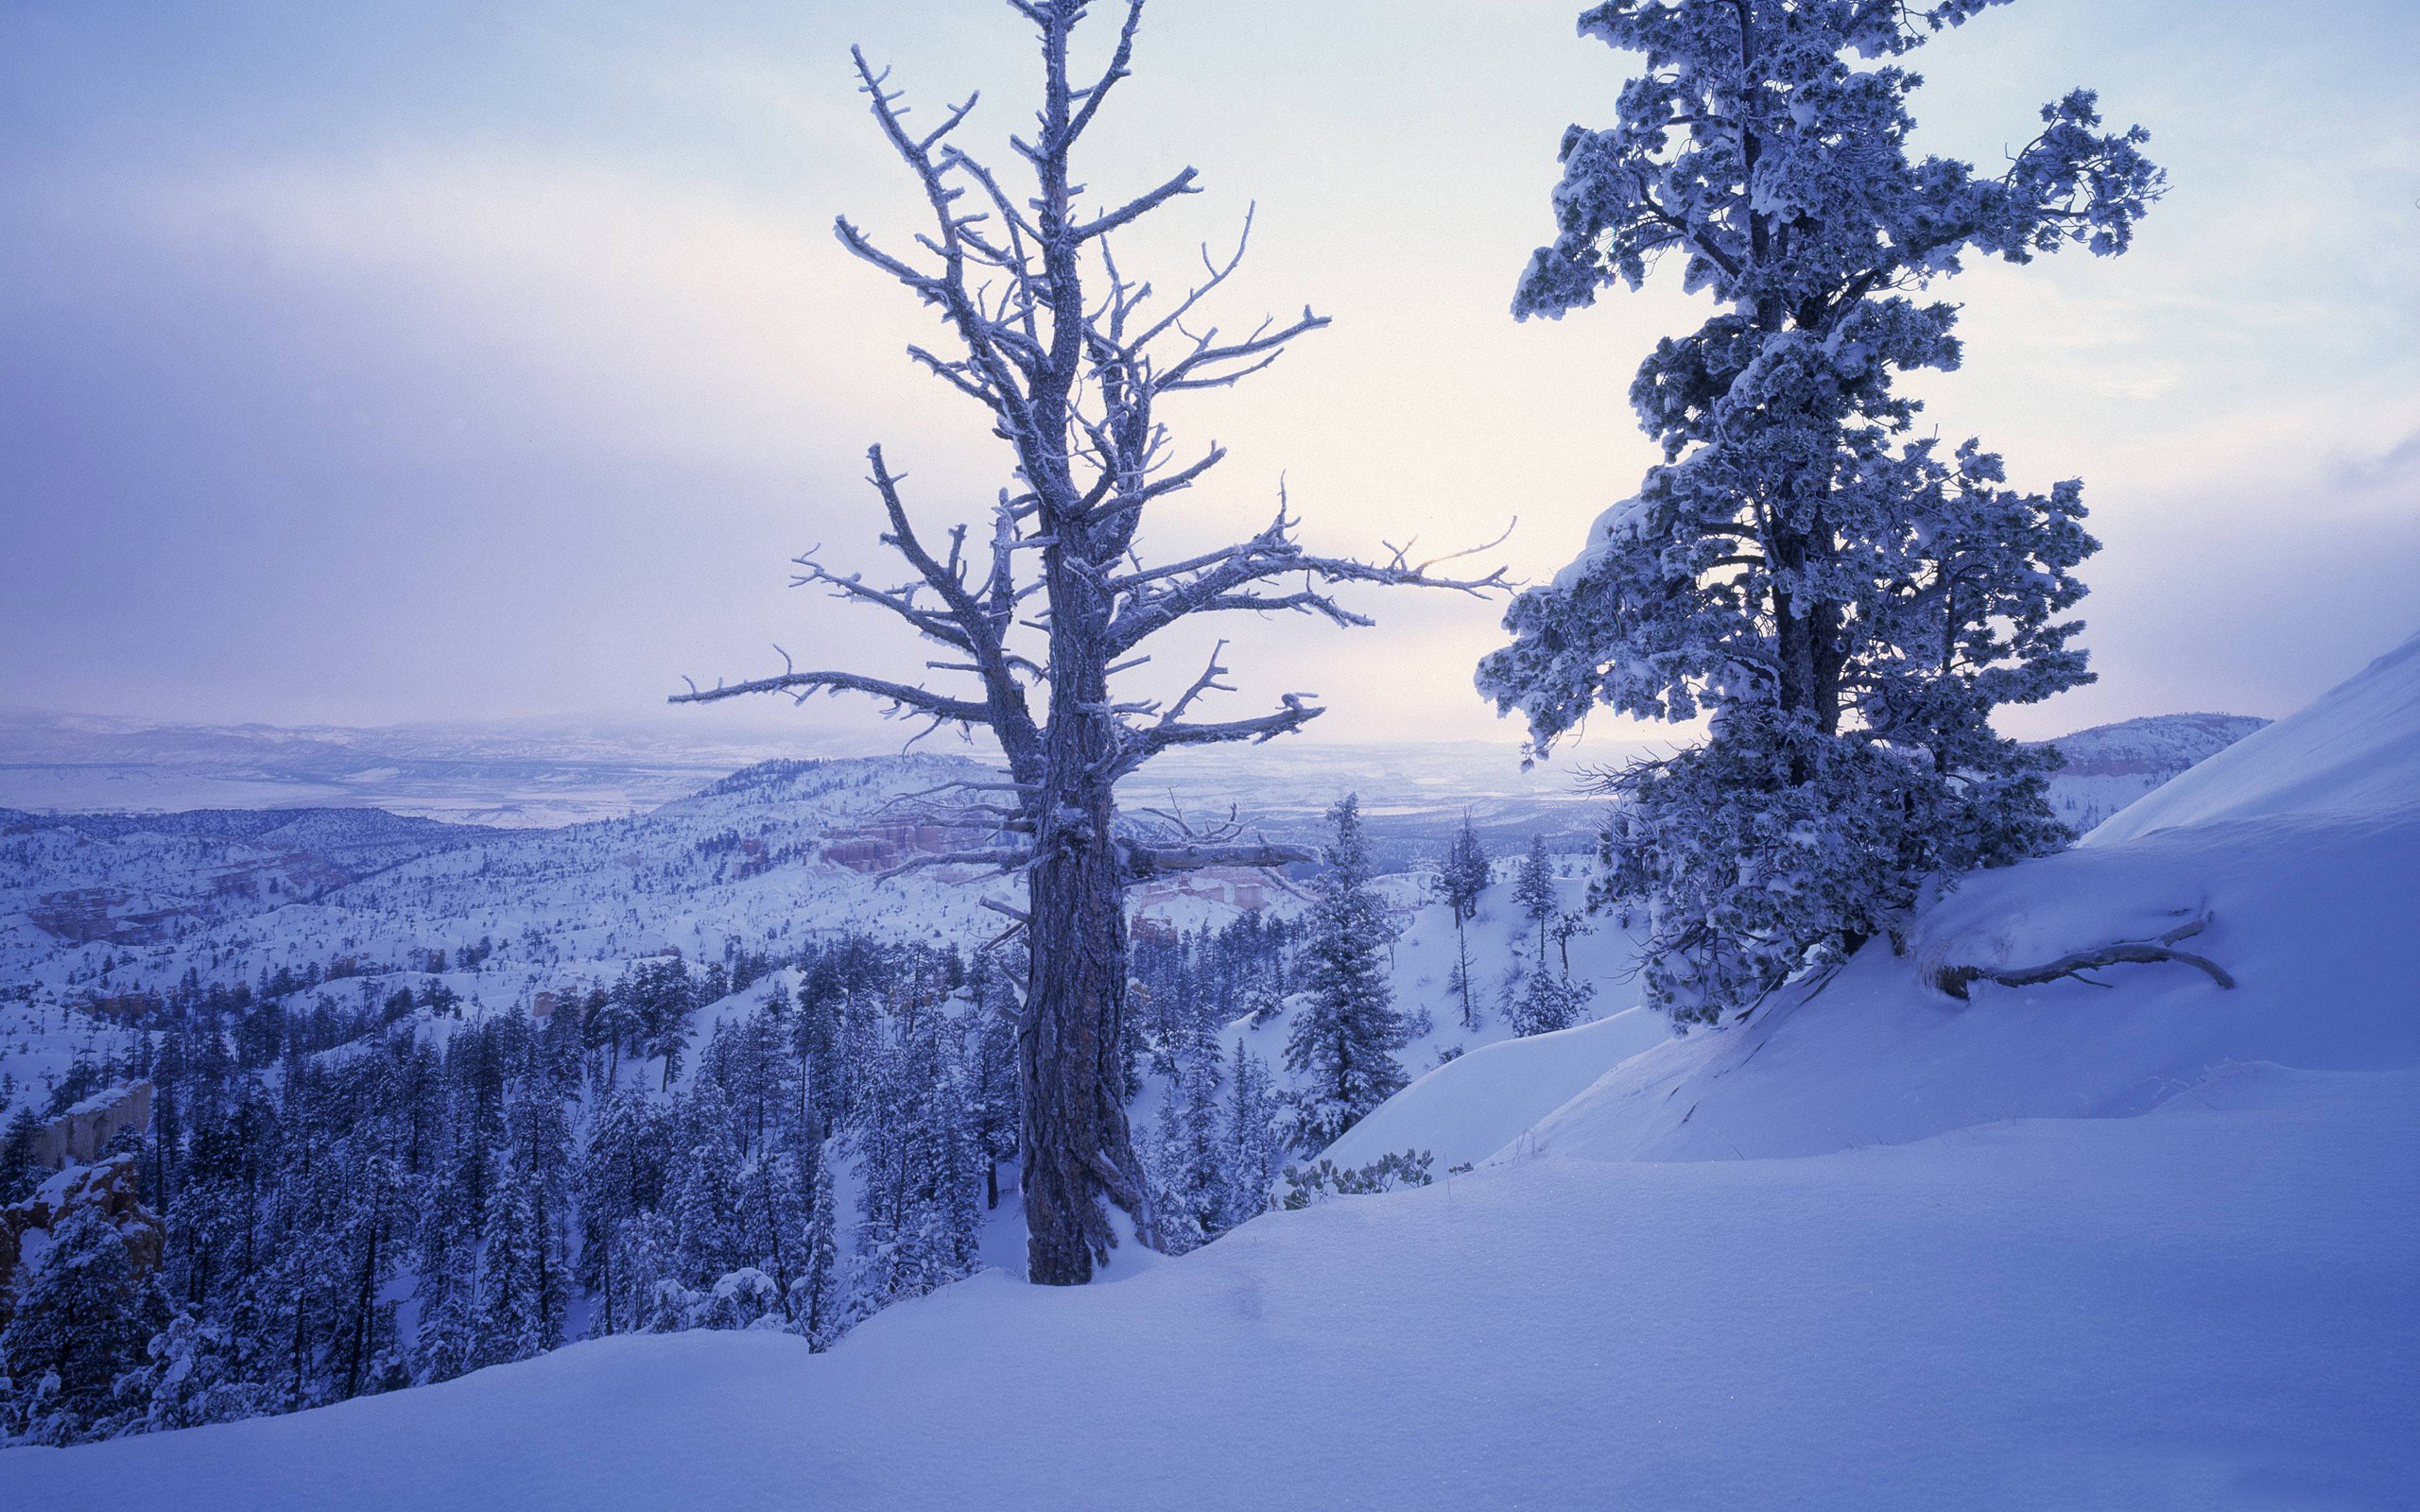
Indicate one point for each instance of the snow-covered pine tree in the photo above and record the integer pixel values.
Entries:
(1254, 1147)
(79, 1324)
(191, 1376)
(1533, 891)
(1465, 876)
(1847, 605)
(1191, 1174)
(512, 1312)
(1075, 362)
(1342, 1048)
(619, 1176)
(19, 1172)
(1545, 1002)
(992, 1093)
(445, 1300)
(815, 1303)
(706, 1206)
(664, 996)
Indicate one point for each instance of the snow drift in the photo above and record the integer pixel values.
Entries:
(2141, 1243)
(2299, 845)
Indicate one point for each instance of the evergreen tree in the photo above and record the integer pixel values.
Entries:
(447, 1340)
(1533, 891)
(1342, 1048)
(517, 1318)
(619, 1176)
(192, 1375)
(774, 1217)
(1254, 1147)
(663, 998)
(1465, 875)
(79, 1324)
(815, 1307)
(19, 1172)
(1846, 604)
(706, 1213)
(993, 1089)
(1545, 1002)
(1190, 1164)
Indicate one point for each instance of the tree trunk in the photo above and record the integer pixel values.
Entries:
(1075, 1146)
(1077, 1149)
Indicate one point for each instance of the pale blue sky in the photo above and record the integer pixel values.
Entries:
(396, 361)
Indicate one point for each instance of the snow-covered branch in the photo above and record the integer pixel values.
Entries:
(1958, 981)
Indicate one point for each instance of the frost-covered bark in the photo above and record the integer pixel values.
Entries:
(1848, 604)
(1069, 359)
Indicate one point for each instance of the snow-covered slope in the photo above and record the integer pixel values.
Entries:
(2354, 751)
(2209, 1307)
(1474, 1105)
(2147, 1245)
(2301, 848)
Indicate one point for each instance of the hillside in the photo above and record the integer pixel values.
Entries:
(549, 774)
(2109, 766)
(2145, 1243)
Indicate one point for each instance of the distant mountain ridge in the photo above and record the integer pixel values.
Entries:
(513, 775)
(547, 774)
(2108, 766)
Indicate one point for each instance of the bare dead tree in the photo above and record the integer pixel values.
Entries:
(1071, 359)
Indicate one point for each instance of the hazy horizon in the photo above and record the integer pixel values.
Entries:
(408, 364)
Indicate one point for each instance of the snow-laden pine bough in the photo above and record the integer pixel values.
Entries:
(1069, 359)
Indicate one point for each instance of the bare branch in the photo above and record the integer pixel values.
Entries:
(1003, 860)
(804, 684)
(1136, 208)
(1958, 981)
(1158, 597)
(1139, 745)
(1141, 863)
(1094, 93)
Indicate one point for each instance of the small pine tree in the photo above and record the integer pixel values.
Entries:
(1533, 890)
(1544, 1004)
(1192, 1199)
(1255, 1151)
(193, 1376)
(1341, 1050)
(1465, 874)
(513, 1311)
(19, 1172)
(815, 1307)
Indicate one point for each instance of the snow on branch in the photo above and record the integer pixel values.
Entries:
(1958, 981)
(1141, 862)
(806, 684)
(1154, 598)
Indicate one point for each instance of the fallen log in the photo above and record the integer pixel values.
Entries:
(1958, 981)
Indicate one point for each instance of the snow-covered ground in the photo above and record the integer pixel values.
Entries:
(2145, 1243)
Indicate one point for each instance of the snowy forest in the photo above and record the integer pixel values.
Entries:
(333, 1199)
(1807, 1069)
